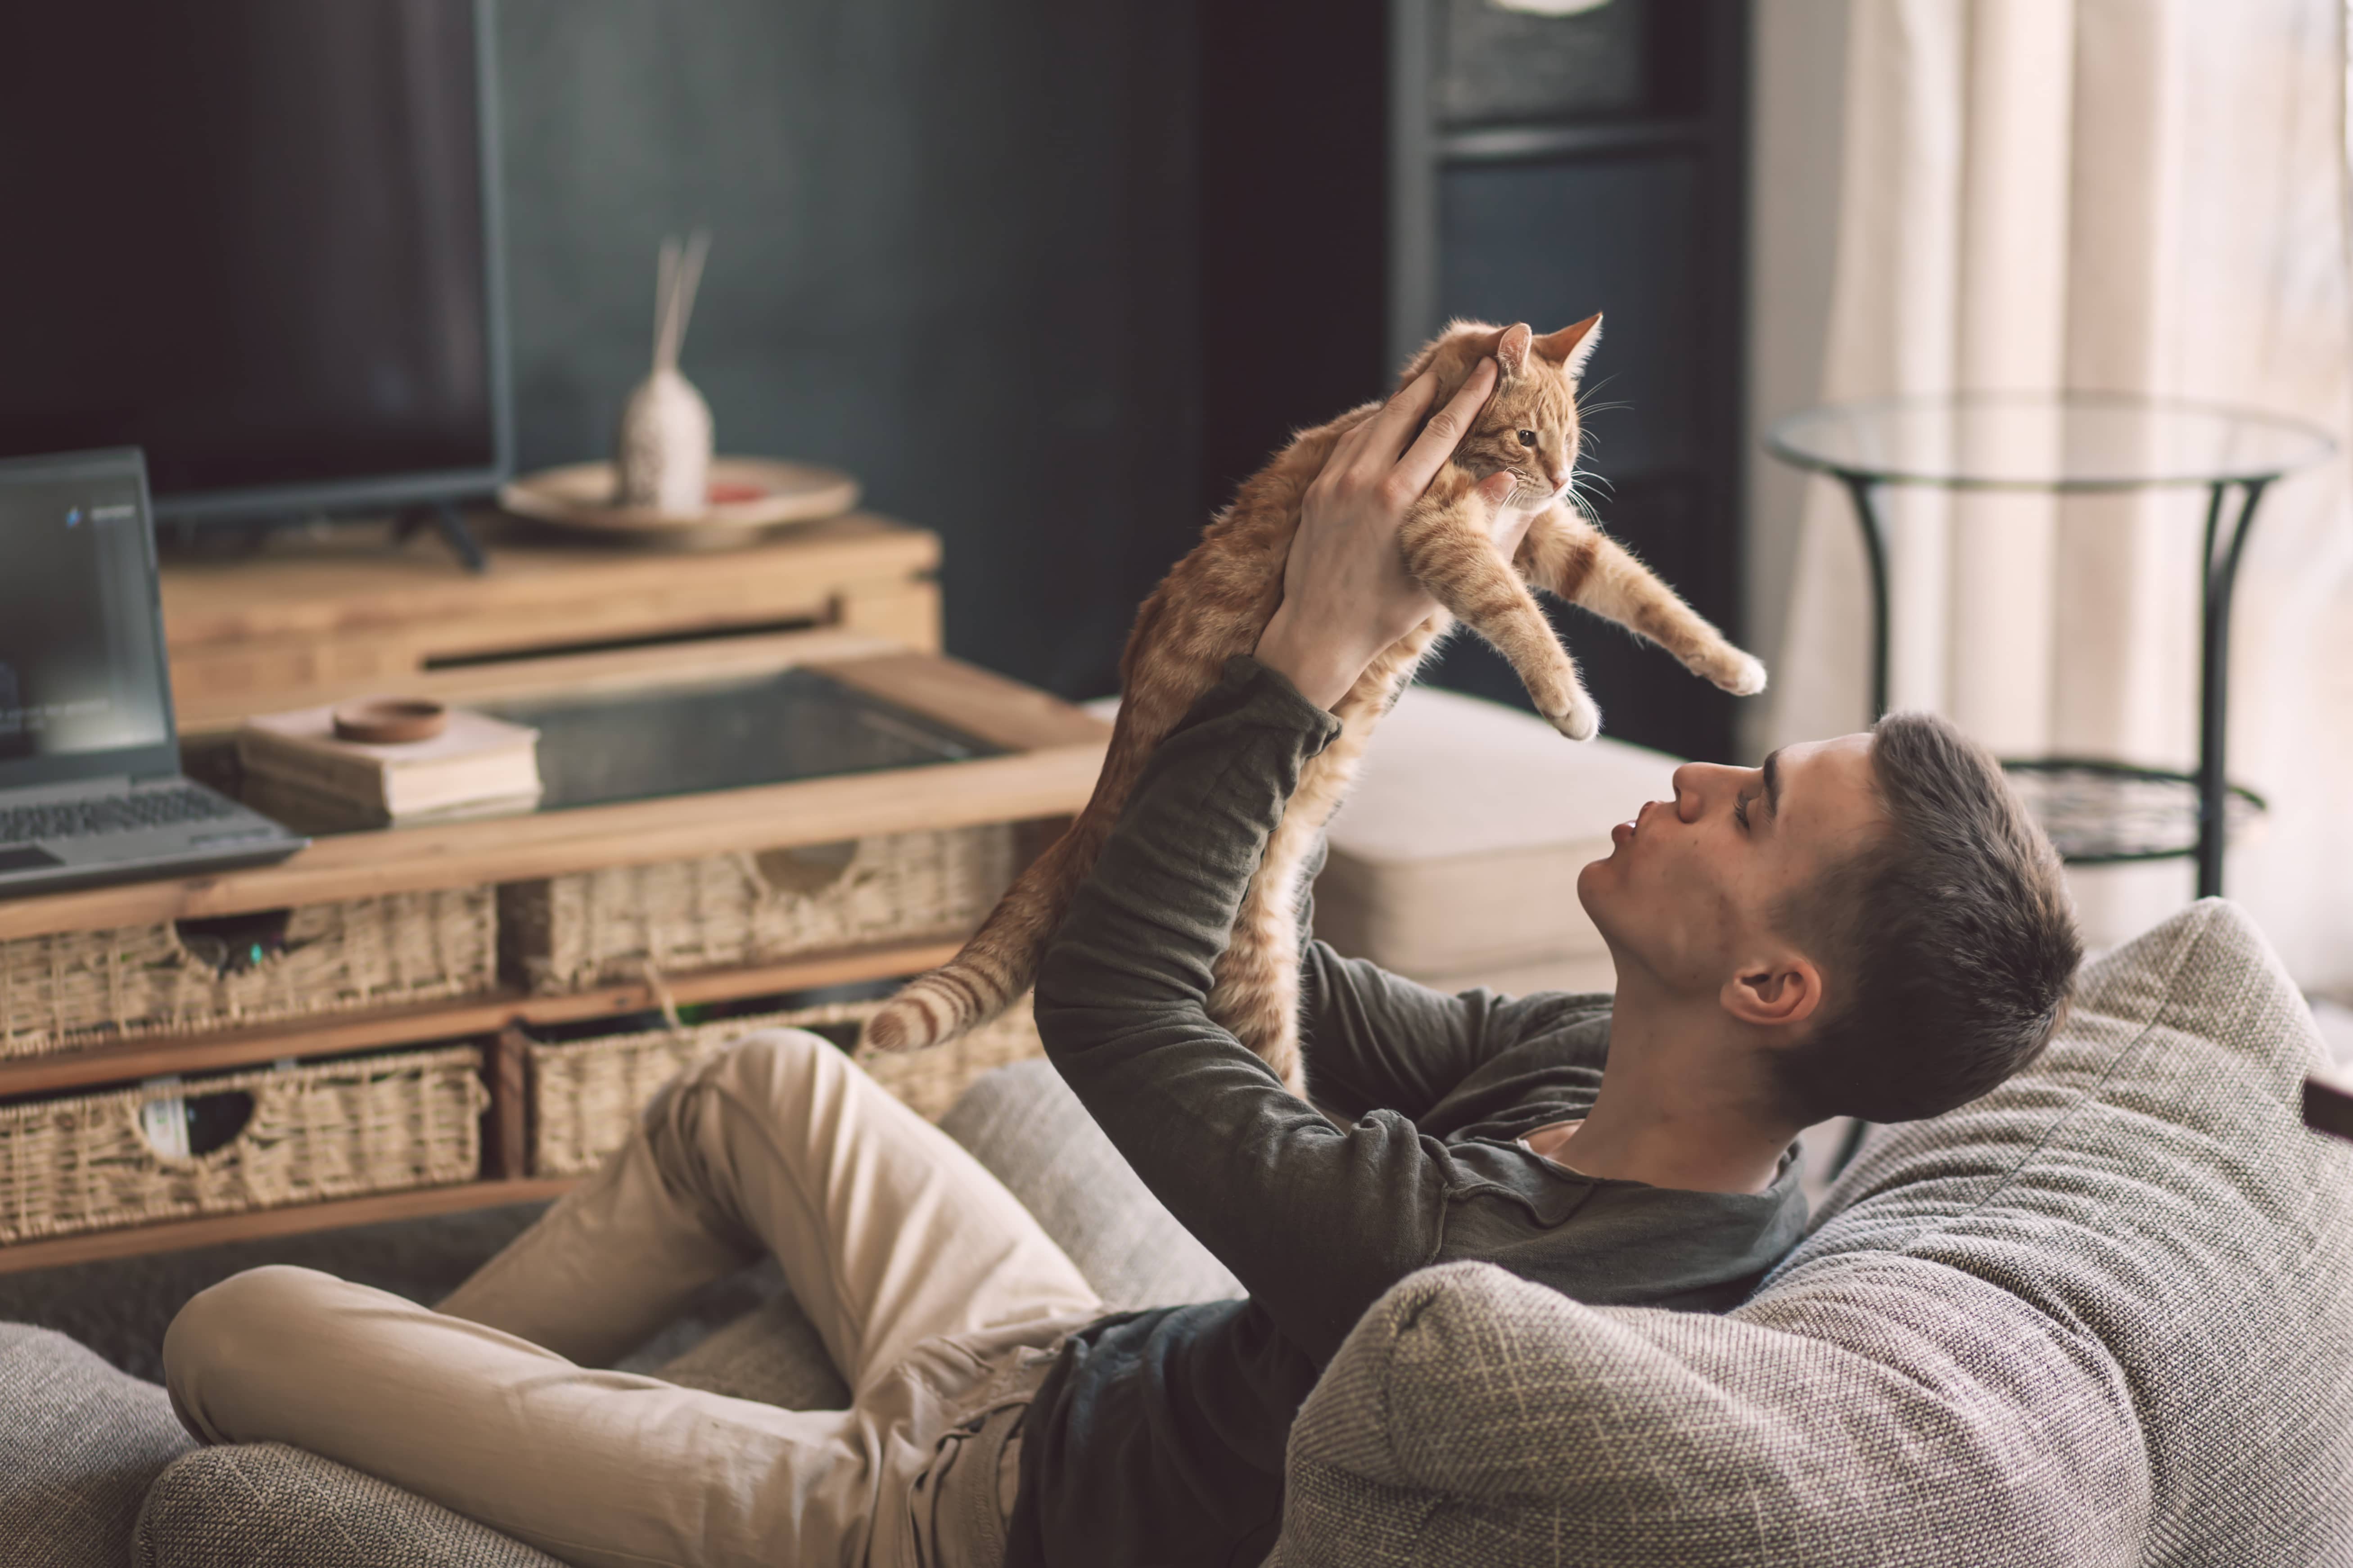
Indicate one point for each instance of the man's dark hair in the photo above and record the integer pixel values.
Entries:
(1948, 945)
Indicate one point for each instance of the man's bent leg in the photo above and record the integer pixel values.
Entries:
(595, 1467)
(888, 1232)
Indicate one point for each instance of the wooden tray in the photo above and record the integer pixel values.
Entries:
(748, 495)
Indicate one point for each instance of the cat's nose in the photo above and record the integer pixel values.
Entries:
(1560, 478)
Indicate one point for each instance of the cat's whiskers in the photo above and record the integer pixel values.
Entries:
(1578, 497)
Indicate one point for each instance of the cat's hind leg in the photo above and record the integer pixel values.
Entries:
(1446, 549)
(1255, 990)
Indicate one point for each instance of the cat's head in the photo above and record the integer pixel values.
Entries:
(1530, 425)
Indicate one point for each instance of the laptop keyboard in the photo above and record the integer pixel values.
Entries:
(110, 814)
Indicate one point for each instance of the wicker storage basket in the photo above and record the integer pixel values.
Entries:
(591, 927)
(330, 1129)
(586, 1094)
(78, 988)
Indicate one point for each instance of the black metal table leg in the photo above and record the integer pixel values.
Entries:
(2216, 581)
(1864, 494)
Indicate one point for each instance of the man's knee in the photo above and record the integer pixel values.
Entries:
(243, 1313)
(764, 1074)
(763, 1067)
(242, 1326)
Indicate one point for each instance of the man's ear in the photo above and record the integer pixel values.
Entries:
(1511, 348)
(1776, 990)
(1572, 345)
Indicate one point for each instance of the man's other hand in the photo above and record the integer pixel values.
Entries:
(1346, 591)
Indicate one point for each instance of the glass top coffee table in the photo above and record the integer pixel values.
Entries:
(597, 748)
(2095, 810)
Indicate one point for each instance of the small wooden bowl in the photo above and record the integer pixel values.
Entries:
(390, 720)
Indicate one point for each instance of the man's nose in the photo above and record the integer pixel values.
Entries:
(1697, 784)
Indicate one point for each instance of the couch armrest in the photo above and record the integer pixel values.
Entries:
(264, 1505)
(79, 1442)
(1900, 1412)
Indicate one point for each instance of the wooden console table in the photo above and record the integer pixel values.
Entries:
(1052, 752)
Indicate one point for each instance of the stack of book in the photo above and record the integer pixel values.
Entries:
(299, 770)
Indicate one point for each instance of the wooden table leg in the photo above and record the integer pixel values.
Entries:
(506, 1126)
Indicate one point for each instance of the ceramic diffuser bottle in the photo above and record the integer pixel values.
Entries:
(663, 450)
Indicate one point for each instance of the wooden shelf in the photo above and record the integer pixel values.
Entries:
(333, 1034)
(1053, 754)
(177, 1236)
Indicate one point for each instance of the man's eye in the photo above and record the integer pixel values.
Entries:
(1740, 811)
(1528, 438)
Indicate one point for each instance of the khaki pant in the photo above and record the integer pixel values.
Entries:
(941, 1302)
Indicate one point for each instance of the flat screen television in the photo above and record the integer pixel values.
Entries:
(258, 238)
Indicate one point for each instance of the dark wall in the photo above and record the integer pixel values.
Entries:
(1294, 213)
(951, 252)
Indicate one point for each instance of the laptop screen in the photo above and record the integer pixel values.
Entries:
(82, 669)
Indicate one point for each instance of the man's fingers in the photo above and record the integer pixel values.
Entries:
(1386, 433)
(1446, 429)
(1367, 435)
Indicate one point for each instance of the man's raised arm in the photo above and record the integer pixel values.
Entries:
(1316, 1220)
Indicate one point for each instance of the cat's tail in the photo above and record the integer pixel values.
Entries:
(1004, 955)
(1002, 958)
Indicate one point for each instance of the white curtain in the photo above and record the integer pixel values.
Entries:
(2135, 195)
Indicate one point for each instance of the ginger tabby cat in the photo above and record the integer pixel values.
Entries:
(1214, 602)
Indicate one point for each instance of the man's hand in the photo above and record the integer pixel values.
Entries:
(1346, 591)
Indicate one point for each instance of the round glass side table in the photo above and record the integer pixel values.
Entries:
(2070, 442)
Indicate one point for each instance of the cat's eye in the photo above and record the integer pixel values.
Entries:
(1528, 438)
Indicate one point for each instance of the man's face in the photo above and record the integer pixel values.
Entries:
(1693, 892)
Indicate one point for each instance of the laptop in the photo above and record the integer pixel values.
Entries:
(91, 789)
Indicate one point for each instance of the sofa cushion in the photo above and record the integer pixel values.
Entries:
(1455, 860)
(80, 1443)
(772, 1354)
(264, 1505)
(1023, 1122)
(2103, 1315)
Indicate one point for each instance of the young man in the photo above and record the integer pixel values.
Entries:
(1867, 925)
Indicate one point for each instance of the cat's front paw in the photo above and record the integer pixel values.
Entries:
(1741, 674)
(1580, 721)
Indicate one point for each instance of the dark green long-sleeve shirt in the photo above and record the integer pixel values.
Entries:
(1158, 1438)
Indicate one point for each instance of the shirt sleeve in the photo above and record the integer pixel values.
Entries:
(1378, 1041)
(1317, 1220)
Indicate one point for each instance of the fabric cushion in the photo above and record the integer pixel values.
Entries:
(772, 1354)
(1024, 1123)
(80, 1443)
(1455, 860)
(264, 1505)
(2103, 1315)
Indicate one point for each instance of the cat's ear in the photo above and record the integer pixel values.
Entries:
(1571, 346)
(1511, 348)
